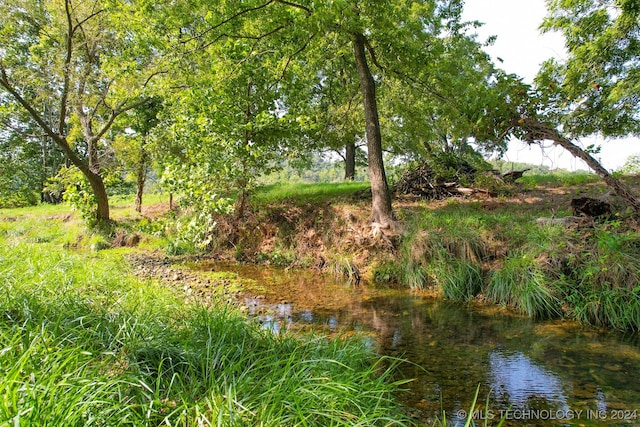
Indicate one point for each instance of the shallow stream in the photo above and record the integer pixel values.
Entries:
(533, 373)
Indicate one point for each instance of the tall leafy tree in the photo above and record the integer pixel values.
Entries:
(385, 38)
(87, 60)
(132, 144)
(596, 90)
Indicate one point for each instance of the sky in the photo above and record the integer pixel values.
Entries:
(522, 48)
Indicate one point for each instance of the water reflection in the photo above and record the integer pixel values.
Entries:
(518, 363)
(519, 381)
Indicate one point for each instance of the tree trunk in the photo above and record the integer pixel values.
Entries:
(382, 214)
(94, 178)
(99, 190)
(241, 204)
(141, 177)
(350, 161)
(538, 131)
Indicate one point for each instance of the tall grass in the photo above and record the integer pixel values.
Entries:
(459, 280)
(83, 342)
(444, 251)
(522, 284)
(602, 279)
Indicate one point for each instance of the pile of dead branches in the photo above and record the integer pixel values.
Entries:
(423, 181)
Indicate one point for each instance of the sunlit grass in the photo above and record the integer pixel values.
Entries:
(307, 192)
(559, 179)
(522, 284)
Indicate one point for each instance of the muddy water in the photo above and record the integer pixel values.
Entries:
(534, 373)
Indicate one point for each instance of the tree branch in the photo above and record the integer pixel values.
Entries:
(119, 110)
(298, 51)
(152, 75)
(239, 36)
(64, 98)
(226, 21)
(59, 139)
(4, 81)
(404, 76)
(372, 54)
(295, 5)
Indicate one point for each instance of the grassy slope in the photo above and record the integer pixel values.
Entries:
(494, 250)
(83, 342)
(491, 249)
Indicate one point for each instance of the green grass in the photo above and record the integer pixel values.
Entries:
(559, 179)
(522, 284)
(463, 250)
(304, 192)
(601, 280)
(83, 342)
(459, 280)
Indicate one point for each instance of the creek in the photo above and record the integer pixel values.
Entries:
(533, 373)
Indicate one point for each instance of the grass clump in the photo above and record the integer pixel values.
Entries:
(459, 280)
(83, 342)
(444, 252)
(522, 284)
(601, 280)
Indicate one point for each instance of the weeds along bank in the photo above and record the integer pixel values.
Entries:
(589, 273)
(488, 249)
(83, 342)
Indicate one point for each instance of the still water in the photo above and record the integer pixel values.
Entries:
(533, 373)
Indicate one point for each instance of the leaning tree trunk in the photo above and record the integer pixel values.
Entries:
(350, 161)
(382, 213)
(539, 131)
